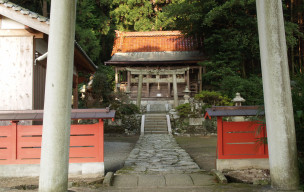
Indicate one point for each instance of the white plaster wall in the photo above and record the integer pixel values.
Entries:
(7, 23)
(16, 69)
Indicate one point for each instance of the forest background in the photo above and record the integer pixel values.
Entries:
(230, 41)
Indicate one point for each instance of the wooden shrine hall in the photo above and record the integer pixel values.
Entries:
(157, 66)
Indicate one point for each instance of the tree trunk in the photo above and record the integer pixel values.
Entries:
(44, 8)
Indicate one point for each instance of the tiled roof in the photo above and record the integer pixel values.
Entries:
(222, 111)
(24, 11)
(154, 41)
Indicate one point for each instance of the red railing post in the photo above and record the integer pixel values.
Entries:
(101, 141)
(220, 137)
(14, 143)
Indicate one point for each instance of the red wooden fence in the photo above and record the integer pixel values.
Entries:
(238, 140)
(20, 144)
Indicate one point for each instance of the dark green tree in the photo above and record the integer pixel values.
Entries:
(137, 15)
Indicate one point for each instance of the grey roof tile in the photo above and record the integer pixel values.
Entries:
(9, 4)
(42, 19)
(25, 11)
(16, 8)
(34, 15)
(3, 1)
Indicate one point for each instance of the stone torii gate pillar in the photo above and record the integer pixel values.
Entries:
(277, 96)
(54, 164)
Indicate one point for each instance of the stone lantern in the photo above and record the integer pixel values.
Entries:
(238, 100)
(187, 94)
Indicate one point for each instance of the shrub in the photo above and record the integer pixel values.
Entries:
(212, 98)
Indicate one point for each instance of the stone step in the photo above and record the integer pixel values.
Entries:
(155, 117)
(156, 132)
(155, 122)
(156, 129)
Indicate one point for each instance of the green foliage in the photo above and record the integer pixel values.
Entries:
(250, 88)
(184, 110)
(103, 86)
(94, 31)
(298, 107)
(211, 98)
(137, 15)
(229, 32)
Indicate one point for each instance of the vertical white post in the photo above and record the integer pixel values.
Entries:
(277, 96)
(57, 106)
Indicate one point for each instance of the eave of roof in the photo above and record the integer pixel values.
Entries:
(38, 114)
(147, 33)
(35, 21)
(168, 57)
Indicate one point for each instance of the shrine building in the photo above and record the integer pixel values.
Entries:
(157, 68)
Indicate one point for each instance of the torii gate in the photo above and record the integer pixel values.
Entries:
(157, 72)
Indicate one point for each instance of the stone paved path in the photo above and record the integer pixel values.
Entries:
(158, 153)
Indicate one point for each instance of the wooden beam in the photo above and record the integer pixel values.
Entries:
(157, 71)
(200, 83)
(155, 80)
(19, 33)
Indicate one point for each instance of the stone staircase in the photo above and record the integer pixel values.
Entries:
(156, 124)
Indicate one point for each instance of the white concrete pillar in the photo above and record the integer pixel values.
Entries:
(175, 95)
(139, 90)
(277, 96)
(57, 106)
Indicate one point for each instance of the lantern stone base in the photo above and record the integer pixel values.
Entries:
(238, 164)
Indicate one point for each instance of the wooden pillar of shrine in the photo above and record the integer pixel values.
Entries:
(175, 95)
(129, 82)
(200, 83)
(139, 90)
(116, 80)
(148, 87)
(188, 78)
(169, 90)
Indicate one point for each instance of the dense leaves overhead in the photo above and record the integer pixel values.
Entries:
(137, 15)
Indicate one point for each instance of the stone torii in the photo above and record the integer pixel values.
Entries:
(277, 96)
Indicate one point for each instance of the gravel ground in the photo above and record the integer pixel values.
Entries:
(202, 149)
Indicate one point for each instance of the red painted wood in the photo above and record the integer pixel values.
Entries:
(13, 145)
(239, 141)
(4, 154)
(23, 143)
(220, 136)
(101, 141)
(29, 153)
